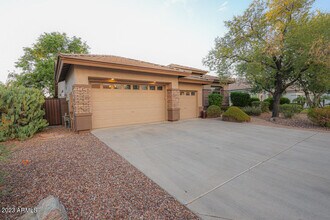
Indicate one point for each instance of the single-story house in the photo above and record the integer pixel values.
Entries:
(104, 90)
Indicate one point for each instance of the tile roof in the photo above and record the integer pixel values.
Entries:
(122, 61)
(192, 69)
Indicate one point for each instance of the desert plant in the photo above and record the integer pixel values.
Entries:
(240, 99)
(256, 104)
(21, 112)
(213, 111)
(283, 100)
(290, 110)
(320, 116)
(235, 114)
(251, 110)
(215, 99)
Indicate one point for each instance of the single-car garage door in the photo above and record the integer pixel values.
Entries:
(124, 104)
(188, 104)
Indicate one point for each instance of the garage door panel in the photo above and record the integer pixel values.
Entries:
(124, 107)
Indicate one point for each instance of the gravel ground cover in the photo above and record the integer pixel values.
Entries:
(299, 121)
(91, 180)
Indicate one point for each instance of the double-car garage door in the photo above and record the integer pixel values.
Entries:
(124, 104)
(116, 104)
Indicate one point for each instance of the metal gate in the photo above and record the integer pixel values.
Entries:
(54, 110)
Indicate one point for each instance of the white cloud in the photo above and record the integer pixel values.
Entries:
(223, 6)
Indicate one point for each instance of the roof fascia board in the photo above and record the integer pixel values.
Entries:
(83, 62)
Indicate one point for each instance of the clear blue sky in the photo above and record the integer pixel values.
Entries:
(160, 31)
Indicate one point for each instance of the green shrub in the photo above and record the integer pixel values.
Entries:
(290, 110)
(304, 111)
(264, 106)
(215, 99)
(235, 114)
(283, 100)
(21, 112)
(301, 100)
(240, 99)
(254, 99)
(256, 104)
(320, 116)
(213, 111)
(255, 111)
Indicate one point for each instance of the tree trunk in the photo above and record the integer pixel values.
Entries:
(277, 95)
(308, 99)
(276, 104)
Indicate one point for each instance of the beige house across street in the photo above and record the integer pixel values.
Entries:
(104, 91)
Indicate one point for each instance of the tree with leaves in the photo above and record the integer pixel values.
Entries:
(36, 66)
(274, 44)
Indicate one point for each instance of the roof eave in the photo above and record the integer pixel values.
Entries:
(195, 81)
(62, 59)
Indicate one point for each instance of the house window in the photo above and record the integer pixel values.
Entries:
(95, 85)
(181, 93)
(152, 87)
(128, 87)
(117, 86)
(144, 87)
(136, 87)
(107, 86)
(192, 93)
(188, 93)
(159, 87)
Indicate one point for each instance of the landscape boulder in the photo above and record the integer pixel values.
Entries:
(49, 208)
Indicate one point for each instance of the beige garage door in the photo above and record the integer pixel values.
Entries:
(118, 104)
(188, 104)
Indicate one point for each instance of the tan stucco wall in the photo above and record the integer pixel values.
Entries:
(70, 81)
(195, 87)
(207, 87)
(82, 73)
(61, 87)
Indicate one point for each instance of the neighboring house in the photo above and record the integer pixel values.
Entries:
(104, 90)
(293, 92)
(243, 86)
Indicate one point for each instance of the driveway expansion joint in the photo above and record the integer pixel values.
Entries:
(247, 170)
(214, 216)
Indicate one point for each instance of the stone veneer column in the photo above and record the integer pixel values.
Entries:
(173, 105)
(82, 110)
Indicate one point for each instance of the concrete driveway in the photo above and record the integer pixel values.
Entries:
(230, 170)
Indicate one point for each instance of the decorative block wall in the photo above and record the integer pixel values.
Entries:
(81, 99)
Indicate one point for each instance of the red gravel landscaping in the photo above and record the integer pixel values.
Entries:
(91, 180)
(299, 121)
